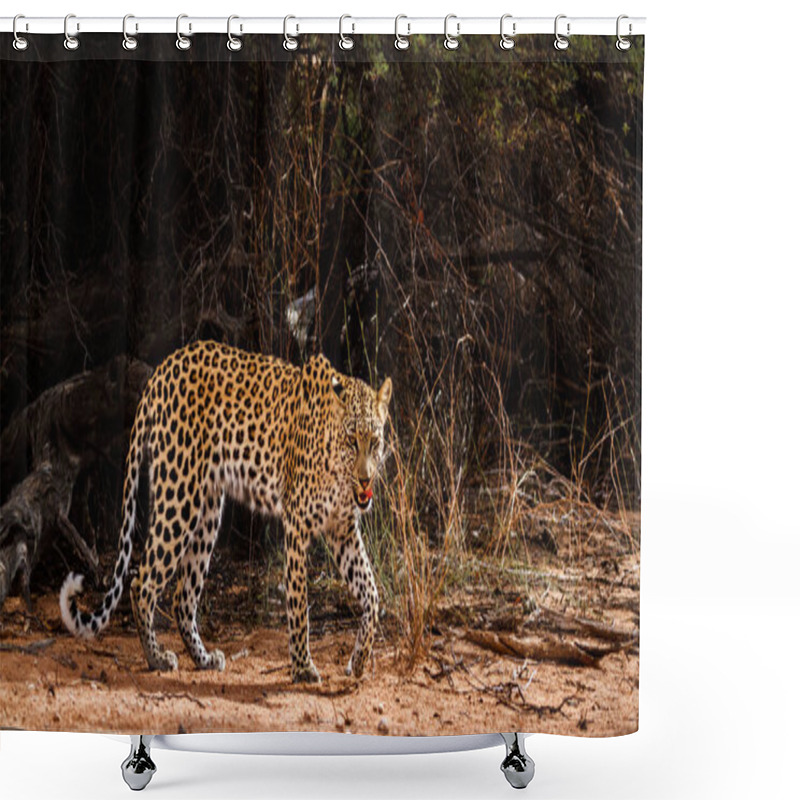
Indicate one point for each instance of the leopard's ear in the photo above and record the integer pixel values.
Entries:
(338, 388)
(384, 395)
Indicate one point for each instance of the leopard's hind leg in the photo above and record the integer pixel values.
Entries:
(143, 603)
(163, 551)
(192, 575)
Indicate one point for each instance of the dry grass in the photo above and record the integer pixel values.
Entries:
(441, 513)
(494, 309)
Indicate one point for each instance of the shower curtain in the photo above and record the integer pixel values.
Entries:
(322, 368)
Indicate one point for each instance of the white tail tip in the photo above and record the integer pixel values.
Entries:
(73, 585)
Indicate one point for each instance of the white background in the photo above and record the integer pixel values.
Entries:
(720, 602)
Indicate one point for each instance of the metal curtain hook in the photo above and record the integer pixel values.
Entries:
(182, 42)
(506, 41)
(70, 42)
(561, 42)
(345, 42)
(289, 42)
(623, 43)
(451, 42)
(401, 42)
(234, 42)
(128, 42)
(20, 42)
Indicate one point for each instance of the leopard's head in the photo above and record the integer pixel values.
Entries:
(363, 413)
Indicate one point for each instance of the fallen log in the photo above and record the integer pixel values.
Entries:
(32, 512)
(601, 650)
(58, 436)
(598, 630)
(507, 644)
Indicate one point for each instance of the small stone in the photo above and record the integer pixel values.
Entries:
(383, 726)
(380, 708)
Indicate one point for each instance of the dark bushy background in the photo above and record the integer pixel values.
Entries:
(470, 226)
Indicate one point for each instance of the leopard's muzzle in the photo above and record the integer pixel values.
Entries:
(362, 492)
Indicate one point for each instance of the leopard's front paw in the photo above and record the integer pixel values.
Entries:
(305, 674)
(358, 661)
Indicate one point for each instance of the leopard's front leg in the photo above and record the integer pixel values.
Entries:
(303, 669)
(354, 566)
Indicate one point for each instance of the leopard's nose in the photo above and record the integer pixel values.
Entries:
(364, 483)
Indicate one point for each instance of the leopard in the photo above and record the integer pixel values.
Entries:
(305, 444)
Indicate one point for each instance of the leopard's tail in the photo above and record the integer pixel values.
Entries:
(88, 625)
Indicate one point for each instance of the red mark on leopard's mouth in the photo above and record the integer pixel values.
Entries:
(363, 498)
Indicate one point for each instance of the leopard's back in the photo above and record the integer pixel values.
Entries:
(230, 412)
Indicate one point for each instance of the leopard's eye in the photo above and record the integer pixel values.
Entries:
(353, 442)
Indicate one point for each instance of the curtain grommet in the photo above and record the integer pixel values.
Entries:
(20, 43)
(70, 42)
(182, 42)
(623, 42)
(401, 42)
(289, 42)
(451, 42)
(128, 42)
(345, 42)
(234, 43)
(507, 42)
(561, 42)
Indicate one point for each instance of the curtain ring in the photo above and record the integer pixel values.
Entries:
(623, 43)
(345, 42)
(451, 42)
(128, 42)
(182, 42)
(289, 42)
(507, 42)
(561, 42)
(20, 42)
(234, 42)
(70, 42)
(401, 42)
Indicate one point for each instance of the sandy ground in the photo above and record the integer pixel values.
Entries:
(460, 688)
(574, 566)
